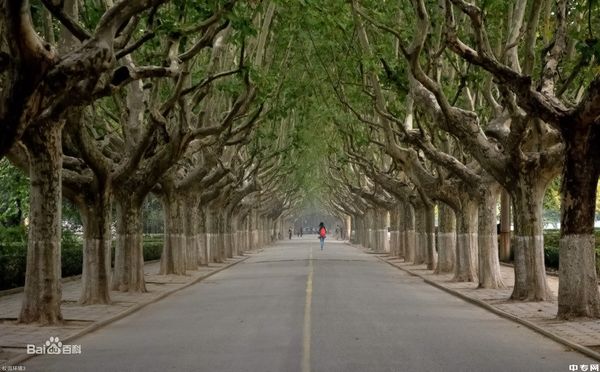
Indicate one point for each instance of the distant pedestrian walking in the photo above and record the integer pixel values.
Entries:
(322, 234)
(290, 231)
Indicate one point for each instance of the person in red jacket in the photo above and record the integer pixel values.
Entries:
(322, 234)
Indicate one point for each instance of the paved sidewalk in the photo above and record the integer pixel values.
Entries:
(79, 319)
(581, 334)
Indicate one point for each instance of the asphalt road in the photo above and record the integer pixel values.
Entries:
(296, 308)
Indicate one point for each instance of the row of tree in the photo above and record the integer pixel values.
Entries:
(444, 105)
(238, 113)
(105, 102)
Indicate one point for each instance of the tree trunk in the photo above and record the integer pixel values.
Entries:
(202, 243)
(227, 235)
(129, 254)
(348, 227)
(245, 234)
(505, 249)
(420, 235)
(173, 258)
(191, 232)
(380, 231)
(465, 268)
(409, 233)
(431, 254)
(95, 278)
(212, 229)
(234, 223)
(578, 283)
(446, 239)
(254, 237)
(395, 232)
(489, 264)
(528, 243)
(42, 292)
(360, 231)
(369, 227)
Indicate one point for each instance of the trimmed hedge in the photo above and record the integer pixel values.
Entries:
(13, 256)
(551, 243)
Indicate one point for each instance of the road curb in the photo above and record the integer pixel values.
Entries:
(553, 336)
(102, 323)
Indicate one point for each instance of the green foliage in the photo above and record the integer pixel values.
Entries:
(71, 254)
(551, 247)
(14, 194)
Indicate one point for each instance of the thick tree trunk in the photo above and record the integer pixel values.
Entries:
(234, 223)
(370, 226)
(220, 238)
(42, 292)
(380, 231)
(420, 235)
(395, 232)
(245, 234)
(129, 253)
(578, 283)
(528, 242)
(254, 234)
(203, 259)
(505, 249)
(465, 268)
(95, 279)
(173, 258)
(361, 231)
(431, 254)
(212, 231)
(446, 239)
(190, 230)
(409, 233)
(227, 235)
(356, 224)
(348, 228)
(489, 264)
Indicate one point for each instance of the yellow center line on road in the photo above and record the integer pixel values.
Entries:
(307, 311)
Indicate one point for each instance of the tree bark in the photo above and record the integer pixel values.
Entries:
(227, 235)
(465, 268)
(578, 283)
(431, 254)
(42, 292)
(214, 225)
(505, 249)
(203, 257)
(254, 234)
(395, 232)
(528, 242)
(489, 264)
(446, 239)
(380, 231)
(409, 233)
(173, 258)
(95, 279)
(191, 232)
(370, 228)
(420, 235)
(129, 254)
(234, 233)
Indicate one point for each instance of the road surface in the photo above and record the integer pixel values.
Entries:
(294, 307)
